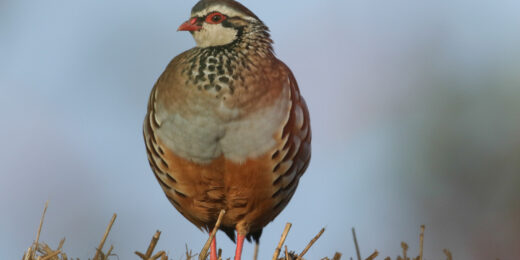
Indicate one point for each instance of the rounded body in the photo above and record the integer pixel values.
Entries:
(227, 128)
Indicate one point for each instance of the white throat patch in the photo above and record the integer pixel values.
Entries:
(214, 35)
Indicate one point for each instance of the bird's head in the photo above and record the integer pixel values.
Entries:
(221, 22)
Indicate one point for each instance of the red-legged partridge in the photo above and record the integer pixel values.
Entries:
(226, 126)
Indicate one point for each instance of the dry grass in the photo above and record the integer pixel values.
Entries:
(41, 251)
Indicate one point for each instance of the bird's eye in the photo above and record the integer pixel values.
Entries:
(215, 18)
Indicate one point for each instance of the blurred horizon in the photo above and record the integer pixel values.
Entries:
(415, 112)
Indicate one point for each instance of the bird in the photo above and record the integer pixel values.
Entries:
(226, 125)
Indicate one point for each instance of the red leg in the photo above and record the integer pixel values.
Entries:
(240, 244)
(213, 250)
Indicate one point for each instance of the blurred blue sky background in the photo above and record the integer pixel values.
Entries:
(415, 114)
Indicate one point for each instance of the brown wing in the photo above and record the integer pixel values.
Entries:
(159, 157)
(156, 154)
(294, 156)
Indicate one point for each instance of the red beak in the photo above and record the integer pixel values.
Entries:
(190, 25)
